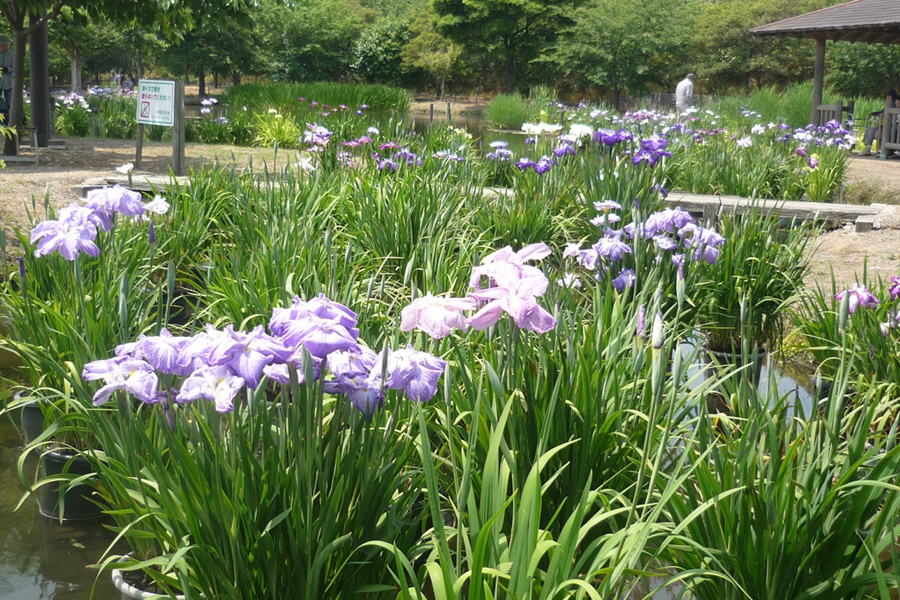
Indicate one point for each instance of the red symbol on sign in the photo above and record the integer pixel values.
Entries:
(145, 109)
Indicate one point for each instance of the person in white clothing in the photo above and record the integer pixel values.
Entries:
(684, 93)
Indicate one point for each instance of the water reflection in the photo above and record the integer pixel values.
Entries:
(775, 382)
(39, 558)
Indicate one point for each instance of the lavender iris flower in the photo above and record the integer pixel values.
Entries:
(71, 234)
(607, 205)
(247, 354)
(860, 296)
(665, 243)
(414, 372)
(436, 316)
(517, 299)
(499, 145)
(116, 199)
(564, 150)
(705, 242)
(624, 280)
(218, 384)
(364, 393)
(122, 373)
(611, 248)
(601, 220)
(353, 362)
(162, 352)
(668, 220)
(319, 336)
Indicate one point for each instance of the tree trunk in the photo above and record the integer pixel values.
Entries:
(75, 59)
(138, 67)
(617, 96)
(201, 82)
(236, 77)
(17, 102)
(510, 67)
(216, 79)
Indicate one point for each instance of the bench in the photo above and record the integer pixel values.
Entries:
(32, 136)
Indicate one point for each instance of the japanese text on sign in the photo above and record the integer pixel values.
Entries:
(156, 102)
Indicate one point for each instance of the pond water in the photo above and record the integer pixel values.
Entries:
(39, 558)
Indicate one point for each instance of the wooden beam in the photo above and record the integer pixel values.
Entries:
(818, 77)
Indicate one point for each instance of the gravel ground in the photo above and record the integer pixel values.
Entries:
(842, 250)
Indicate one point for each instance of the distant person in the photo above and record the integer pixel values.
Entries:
(874, 132)
(6, 79)
(684, 93)
(128, 84)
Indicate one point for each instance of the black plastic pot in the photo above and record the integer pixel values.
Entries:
(78, 505)
(32, 419)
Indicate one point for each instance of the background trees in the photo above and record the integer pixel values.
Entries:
(583, 48)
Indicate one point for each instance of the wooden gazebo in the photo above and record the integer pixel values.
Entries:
(867, 21)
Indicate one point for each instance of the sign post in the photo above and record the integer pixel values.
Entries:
(161, 102)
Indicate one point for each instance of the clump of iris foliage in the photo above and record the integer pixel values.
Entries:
(395, 380)
(511, 111)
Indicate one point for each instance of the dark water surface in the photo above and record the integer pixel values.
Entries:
(39, 558)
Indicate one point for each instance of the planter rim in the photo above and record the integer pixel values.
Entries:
(124, 587)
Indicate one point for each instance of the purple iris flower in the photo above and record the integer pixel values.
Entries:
(499, 145)
(642, 155)
(162, 352)
(517, 299)
(389, 146)
(436, 316)
(563, 150)
(281, 373)
(504, 267)
(813, 162)
(365, 393)
(543, 165)
(122, 373)
(116, 199)
(353, 362)
(387, 164)
(624, 280)
(607, 205)
(605, 219)
(319, 336)
(500, 154)
(611, 248)
(218, 384)
(669, 220)
(247, 354)
(801, 151)
(525, 163)
(895, 287)
(705, 242)
(859, 296)
(72, 233)
(665, 243)
(414, 372)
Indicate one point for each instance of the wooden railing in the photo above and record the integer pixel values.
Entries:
(890, 132)
(833, 112)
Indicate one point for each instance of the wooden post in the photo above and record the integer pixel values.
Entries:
(818, 79)
(140, 146)
(178, 130)
(888, 122)
(449, 117)
(431, 113)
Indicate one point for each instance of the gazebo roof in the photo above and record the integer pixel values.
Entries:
(869, 21)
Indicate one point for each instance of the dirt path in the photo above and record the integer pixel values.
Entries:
(83, 158)
(842, 250)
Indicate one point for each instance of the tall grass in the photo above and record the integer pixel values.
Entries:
(379, 98)
(792, 104)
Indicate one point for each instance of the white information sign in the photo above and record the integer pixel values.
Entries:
(156, 102)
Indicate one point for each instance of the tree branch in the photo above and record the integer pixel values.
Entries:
(49, 16)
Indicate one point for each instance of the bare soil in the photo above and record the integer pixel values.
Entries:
(23, 185)
(842, 250)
